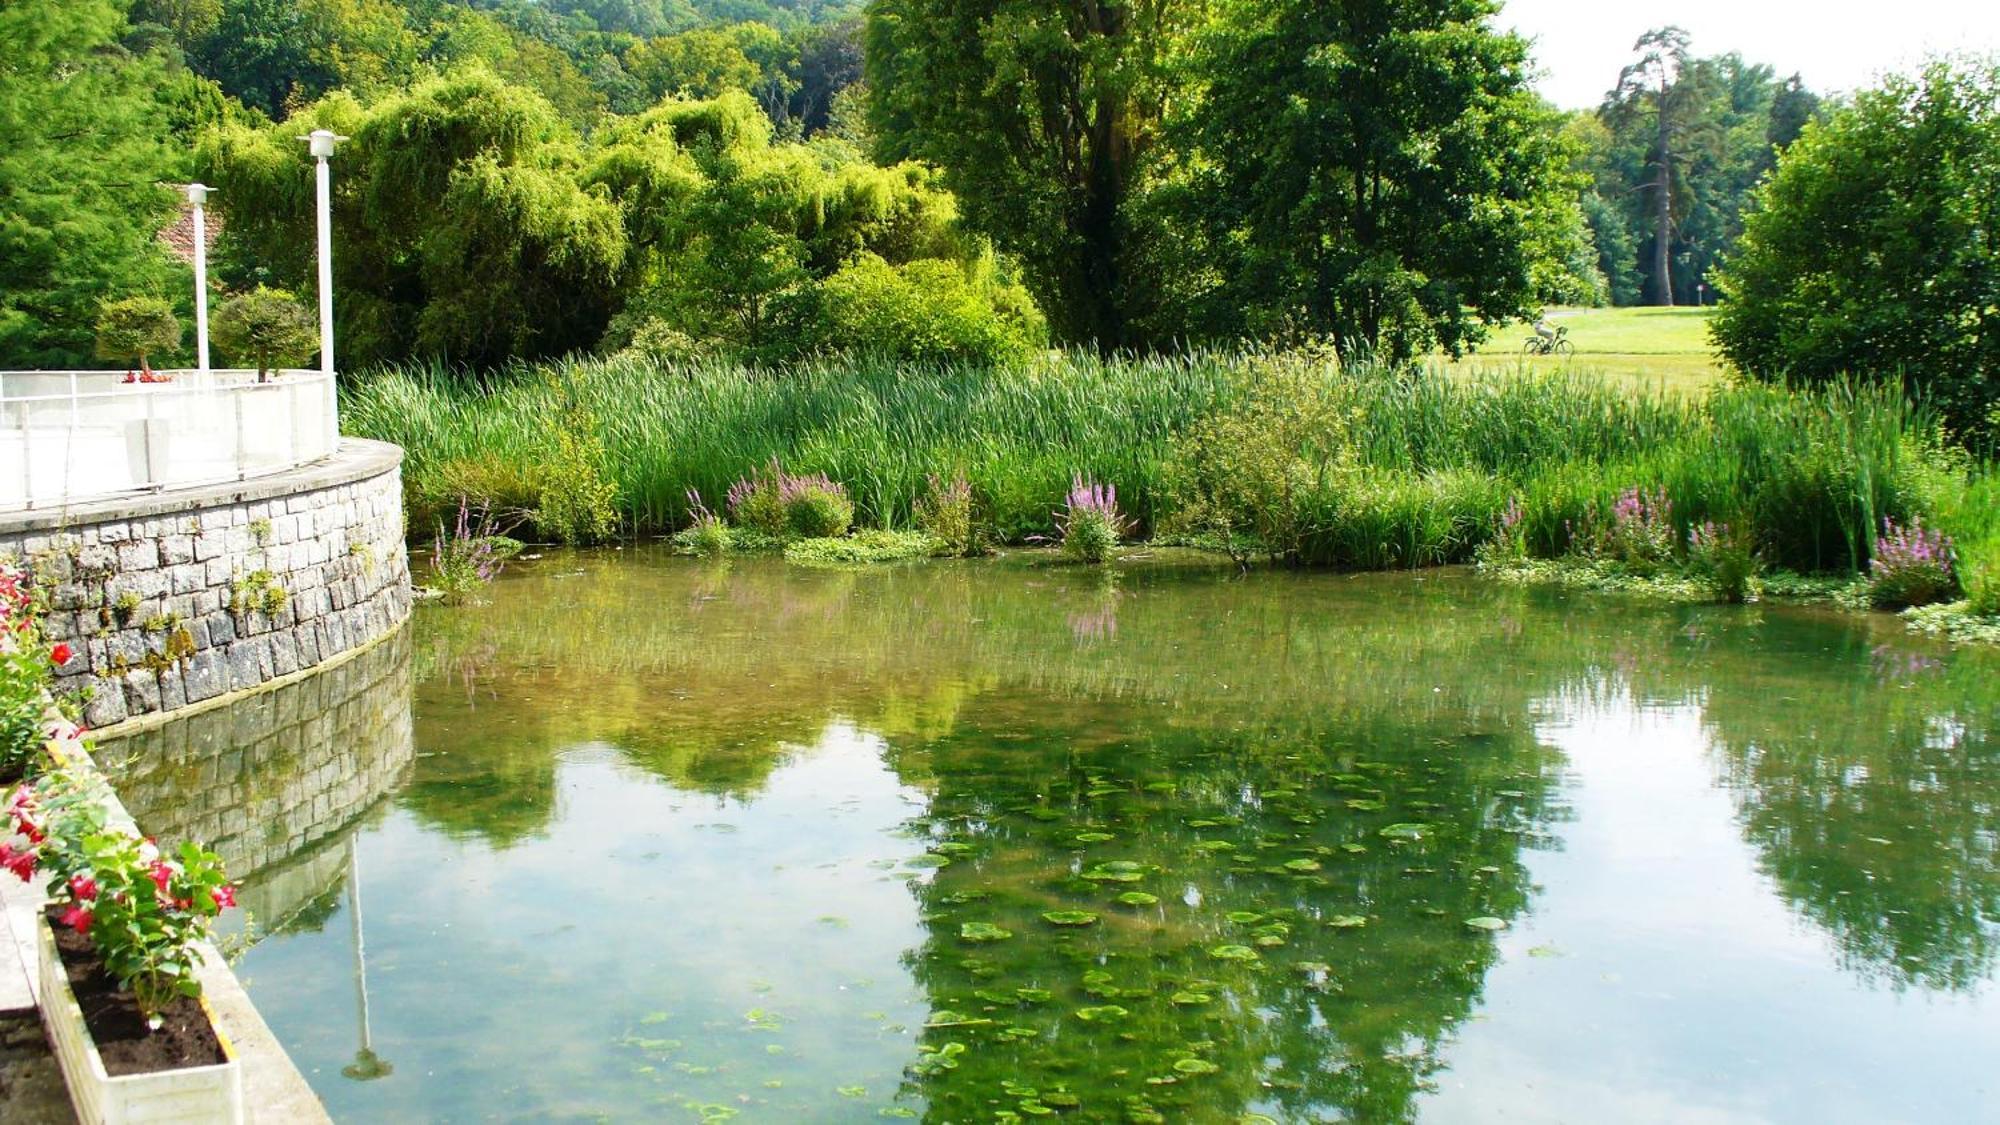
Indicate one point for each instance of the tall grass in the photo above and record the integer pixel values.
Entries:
(1430, 461)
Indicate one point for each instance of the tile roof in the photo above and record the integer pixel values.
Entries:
(178, 236)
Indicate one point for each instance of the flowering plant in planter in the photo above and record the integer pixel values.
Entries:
(25, 665)
(145, 912)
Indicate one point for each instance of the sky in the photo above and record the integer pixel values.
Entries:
(1837, 45)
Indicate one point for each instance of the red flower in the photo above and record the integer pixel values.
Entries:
(78, 919)
(30, 829)
(83, 887)
(60, 655)
(161, 873)
(22, 864)
(225, 897)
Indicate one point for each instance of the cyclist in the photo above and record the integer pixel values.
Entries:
(1543, 329)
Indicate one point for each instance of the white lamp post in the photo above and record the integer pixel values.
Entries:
(320, 143)
(197, 195)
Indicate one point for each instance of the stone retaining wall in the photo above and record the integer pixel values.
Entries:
(176, 598)
(268, 777)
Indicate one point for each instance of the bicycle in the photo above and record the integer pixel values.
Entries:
(1557, 344)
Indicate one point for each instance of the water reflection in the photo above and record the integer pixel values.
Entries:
(271, 782)
(691, 840)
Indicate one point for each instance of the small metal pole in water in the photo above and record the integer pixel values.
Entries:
(365, 1065)
(197, 195)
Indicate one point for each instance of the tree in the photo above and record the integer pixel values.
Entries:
(133, 328)
(1870, 251)
(1659, 86)
(1043, 114)
(463, 229)
(82, 160)
(267, 325)
(1412, 185)
(694, 64)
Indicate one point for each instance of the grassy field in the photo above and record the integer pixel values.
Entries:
(1650, 349)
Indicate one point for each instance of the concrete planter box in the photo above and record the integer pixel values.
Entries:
(190, 1094)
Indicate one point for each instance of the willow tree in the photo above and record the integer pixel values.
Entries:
(1043, 114)
(462, 230)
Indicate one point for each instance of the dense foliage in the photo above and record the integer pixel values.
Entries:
(474, 225)
(1128, 155)
(1280, 455)
(1872, 249)
(84, 146)
(1673, 154)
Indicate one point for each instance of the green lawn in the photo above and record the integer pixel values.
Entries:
(1654, 349)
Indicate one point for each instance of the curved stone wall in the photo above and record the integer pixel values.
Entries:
(174, 599)
(268, 779)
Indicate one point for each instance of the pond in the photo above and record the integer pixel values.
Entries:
(650, 838)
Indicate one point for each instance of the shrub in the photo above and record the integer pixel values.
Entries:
(1240, 473)
(578, 500)
(268, 327)
(944, 513)
(780, 505)
(1725, 559)
(137, 327)
(1870, 247)
(1641, 531)
(927, 311)
(707, 534)
(1090, 523)
(1912, 566)
(816, 507)
(471, 556)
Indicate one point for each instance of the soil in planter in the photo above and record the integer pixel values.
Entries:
(115, 1022)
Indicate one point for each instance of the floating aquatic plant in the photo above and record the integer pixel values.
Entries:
(1069, 917)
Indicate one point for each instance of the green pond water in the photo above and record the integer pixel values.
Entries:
(647, 838)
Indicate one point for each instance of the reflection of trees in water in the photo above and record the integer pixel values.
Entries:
(1325, 987)
(707, 674)
(1873, 794)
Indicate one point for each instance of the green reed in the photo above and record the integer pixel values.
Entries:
(1436, 458)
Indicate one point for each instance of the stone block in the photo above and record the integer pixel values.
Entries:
(106, 706)
(205, 676)
(141, 554)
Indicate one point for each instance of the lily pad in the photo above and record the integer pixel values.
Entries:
(1094, 837)
(1069, 917)
(1244, 917)
(1487, 922)
(1408, 831)
(1102, 1013)
(1347, 921)
(1196, 1066)
(1191, 999)
(1139, 898)
(1302, 865)
(1233, 953)
(928, 859)
(1366, 804)
(983, 932)
(1117, 871)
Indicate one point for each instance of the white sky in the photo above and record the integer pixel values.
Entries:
(1838, 45)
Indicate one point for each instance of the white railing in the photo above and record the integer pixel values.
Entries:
(68, 436)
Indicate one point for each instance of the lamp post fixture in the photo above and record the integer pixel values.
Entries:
(320, 143)
(197, 195)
